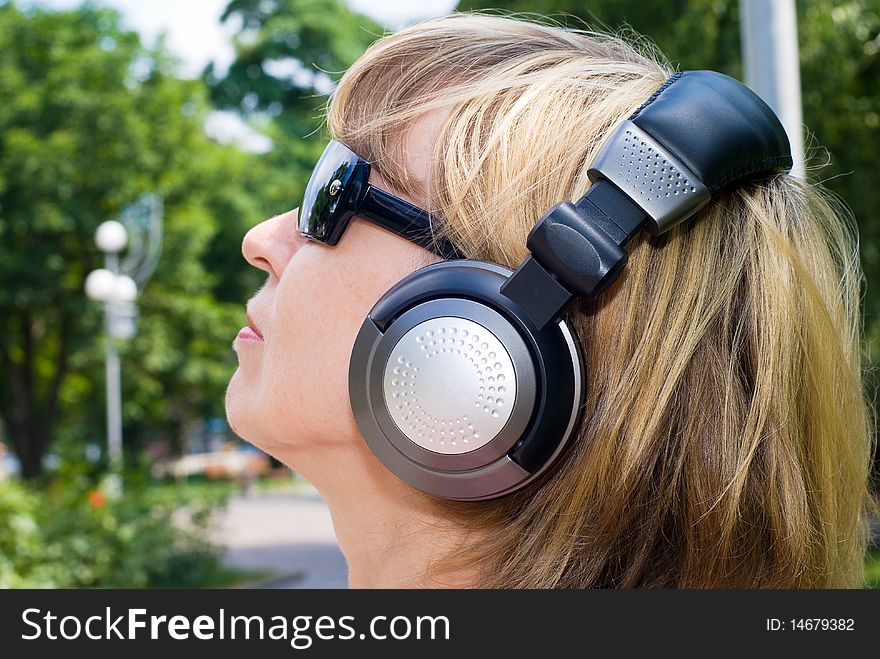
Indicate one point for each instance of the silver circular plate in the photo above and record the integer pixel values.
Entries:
(449, 385)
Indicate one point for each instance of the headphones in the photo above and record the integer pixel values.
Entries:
(465, 379)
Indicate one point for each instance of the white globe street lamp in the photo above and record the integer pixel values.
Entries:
(117, 293)
(125, 290)
(111, 237)
(100, 285)
(116, 286)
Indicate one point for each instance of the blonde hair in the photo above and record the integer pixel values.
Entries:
(725, 440)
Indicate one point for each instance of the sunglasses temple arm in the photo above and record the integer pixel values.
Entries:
(404, 219)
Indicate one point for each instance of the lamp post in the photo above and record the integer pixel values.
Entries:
(117, 293)
(768, 31)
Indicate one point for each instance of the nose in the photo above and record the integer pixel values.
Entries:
(271, 244)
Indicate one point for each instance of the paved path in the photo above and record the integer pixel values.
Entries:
(288, 532)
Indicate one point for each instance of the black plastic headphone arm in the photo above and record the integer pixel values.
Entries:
(537, 292)
(577, 251)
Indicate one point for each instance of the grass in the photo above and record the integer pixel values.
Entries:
(230, 577)
(222, 576)
(280, 483)
(199, 487)
(196, 487)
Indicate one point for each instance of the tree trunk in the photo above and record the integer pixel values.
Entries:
(31, 457)
(29, 421)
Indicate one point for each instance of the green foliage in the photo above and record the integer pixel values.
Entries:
(872, 567)
(76, 535)
(313, 36)
(288, 52)
(840, 73)
(91, 120)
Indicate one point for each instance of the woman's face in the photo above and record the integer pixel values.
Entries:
(291, 387)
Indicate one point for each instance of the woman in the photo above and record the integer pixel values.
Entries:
(724, 438)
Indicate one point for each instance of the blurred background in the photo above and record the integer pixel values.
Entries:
(183, 124)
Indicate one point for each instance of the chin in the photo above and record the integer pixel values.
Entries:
(248, 417)
(238, 408)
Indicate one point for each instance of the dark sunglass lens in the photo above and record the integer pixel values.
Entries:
(323, 201)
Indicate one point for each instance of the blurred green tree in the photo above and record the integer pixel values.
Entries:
(90, 121)
(288, 52)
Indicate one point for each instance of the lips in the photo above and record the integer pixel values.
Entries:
(249, 333)
(253, 326)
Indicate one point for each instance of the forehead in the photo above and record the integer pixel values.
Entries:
(412, 151)
(418, 143)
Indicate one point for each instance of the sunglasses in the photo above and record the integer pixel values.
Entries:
(339, 188)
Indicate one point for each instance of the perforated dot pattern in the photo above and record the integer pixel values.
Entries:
(649, 172)
(449, 385)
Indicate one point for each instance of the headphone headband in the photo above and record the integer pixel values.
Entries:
(700, 132)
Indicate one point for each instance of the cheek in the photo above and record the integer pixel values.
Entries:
(305, 383)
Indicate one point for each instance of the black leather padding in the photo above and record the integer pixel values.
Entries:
(719, 128)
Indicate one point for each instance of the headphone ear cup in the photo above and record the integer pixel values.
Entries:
(449, 383)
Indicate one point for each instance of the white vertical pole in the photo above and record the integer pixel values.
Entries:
(114, 389)
(768, 29)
